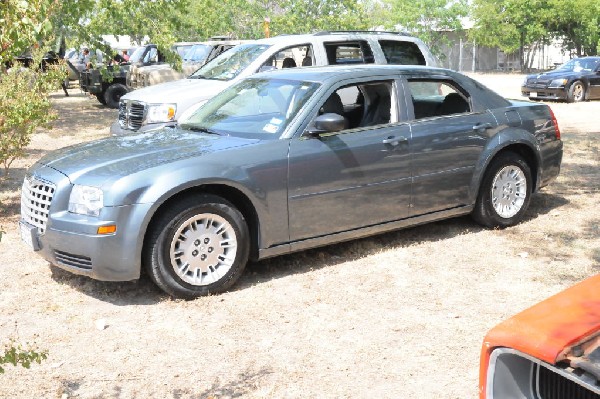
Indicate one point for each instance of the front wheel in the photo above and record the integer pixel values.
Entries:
(199, 246)
(113, 94)
(576, 92)
(505, 192)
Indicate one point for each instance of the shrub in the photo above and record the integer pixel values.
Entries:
(25, 106)
(15, 354)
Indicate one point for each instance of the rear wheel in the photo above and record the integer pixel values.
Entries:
(113, 94)
(576, 92)
(505, 192)
(199, 246)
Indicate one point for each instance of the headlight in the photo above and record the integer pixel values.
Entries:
(161, 113)
(558, 83)
(86, 200)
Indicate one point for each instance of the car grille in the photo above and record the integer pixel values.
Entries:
(131, 114)
(537, 84)
(36, 196)
(552, 385)
(78, 261)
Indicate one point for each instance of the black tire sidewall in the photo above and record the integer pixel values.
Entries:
(113, 94)
(484, 211)
(163, 272)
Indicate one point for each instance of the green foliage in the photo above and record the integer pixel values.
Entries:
(25, 106)
(16, 354)
(22, 24)
(427, 19)
(519, 24)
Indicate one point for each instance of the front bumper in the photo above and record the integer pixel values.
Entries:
(544, 93)
(71, 242)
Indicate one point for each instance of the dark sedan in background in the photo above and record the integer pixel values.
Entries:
(284, 161)
(577, 80)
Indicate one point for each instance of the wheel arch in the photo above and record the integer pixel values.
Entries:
(524, 149)
(231, 194)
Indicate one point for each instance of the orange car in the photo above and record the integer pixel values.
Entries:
(549, 351)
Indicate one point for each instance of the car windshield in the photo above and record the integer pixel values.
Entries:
(197, 53)
(231, 63)
(253, 108)
(137, 55)
(579, 64)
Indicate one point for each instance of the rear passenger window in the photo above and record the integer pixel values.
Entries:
(437, 98)
(349, 53)
(402, 53)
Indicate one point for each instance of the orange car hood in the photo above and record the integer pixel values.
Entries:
(550, 328)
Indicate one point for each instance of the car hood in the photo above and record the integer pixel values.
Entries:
(95, 162)
(550, 329)
(551, 75)
(178, 91)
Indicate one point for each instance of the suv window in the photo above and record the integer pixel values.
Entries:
(402, 53)
(231, 63)
(291, 57)
(349, 53)
(437, 98)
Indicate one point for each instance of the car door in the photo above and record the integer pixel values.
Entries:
(355, 177)
(446, 143)
(594, 79)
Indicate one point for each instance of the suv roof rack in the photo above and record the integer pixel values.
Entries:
(373, 32)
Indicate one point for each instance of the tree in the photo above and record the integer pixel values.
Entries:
(511, 25)
(427, 19)
(576, 23)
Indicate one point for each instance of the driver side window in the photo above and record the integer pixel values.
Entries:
(362, 105)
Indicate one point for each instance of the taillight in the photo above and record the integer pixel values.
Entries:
(555, 123)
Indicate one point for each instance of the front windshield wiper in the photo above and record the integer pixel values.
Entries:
(199, 129)
(197, 77)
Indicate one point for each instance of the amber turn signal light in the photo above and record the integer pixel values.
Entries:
(107, 229)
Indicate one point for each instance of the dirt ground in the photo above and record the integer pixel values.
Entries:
(393, 316)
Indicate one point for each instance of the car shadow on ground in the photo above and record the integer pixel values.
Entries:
(144, 292)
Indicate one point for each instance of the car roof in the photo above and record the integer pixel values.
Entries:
(335, 35)
(324, 73)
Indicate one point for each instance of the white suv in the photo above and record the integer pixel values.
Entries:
(164, 104)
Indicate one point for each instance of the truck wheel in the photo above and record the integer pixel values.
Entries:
(113, 94)
(100, 98)
(576, 92)
(505, 192)
(198, 247)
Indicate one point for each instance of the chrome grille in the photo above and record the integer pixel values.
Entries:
(131, 114)
(36, 197)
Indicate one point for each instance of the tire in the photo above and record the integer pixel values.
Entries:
(198, 247)
(113, 94)
(100, 98)
(505, 192)
(576, 92)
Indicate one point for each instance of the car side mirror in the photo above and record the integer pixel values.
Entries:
(327, 123)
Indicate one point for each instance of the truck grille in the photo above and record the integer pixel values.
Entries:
(552, 385)
(131, 114)
(36, 196)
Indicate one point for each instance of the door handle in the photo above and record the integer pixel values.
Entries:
(482, 126)
(394, 141)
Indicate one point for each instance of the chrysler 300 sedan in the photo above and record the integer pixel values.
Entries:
(574, 81)
(284, 161)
